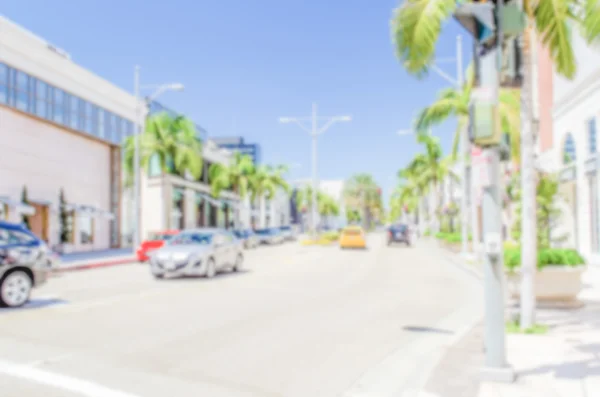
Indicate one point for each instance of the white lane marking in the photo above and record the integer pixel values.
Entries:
(59, 381)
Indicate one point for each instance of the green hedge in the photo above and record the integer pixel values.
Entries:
(450, 237)
(546, 257)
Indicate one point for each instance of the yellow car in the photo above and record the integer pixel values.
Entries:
(353, 237)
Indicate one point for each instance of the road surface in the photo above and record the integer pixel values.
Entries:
(298, 322)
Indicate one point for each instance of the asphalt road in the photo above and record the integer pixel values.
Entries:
(298, 322)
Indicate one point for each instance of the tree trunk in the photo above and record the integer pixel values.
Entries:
(528, 189)
(434, 208)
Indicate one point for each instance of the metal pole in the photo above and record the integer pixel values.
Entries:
(464, 145)
(314, 208)
(136, 159)
(496, 366)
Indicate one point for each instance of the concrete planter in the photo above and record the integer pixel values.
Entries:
(554, 285)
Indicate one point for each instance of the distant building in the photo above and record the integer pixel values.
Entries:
(237, 144)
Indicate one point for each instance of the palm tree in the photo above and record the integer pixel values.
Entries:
(361, 193)
(432, 171)
(416, 28)
(454, 102)
(327, 205)
(404, 200)
(237, 176)
(265, 182)
(173, 142)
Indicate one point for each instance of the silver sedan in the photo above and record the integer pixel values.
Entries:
(198, 252)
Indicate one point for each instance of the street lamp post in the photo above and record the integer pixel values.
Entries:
(314, 132)
(140, 110)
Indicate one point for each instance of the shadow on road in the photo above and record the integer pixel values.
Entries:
(412, 328)
(37, 303)
(221, 275)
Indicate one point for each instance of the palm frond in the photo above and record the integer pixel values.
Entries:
(552, 22)
(416, 26)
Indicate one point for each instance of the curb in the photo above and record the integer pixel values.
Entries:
(95, 265)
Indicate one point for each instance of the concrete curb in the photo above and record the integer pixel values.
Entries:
(95, 265)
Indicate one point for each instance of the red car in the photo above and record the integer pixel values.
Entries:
(154, 241)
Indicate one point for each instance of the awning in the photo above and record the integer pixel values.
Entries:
(45, 203)
(90, 211)
(213, 201)
(21, 208)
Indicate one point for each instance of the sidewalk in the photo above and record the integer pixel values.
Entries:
(95, 259)
(564, 362)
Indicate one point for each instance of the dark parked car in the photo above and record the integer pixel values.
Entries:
(399, 233)
(248, 237)
(269, 236)
(24, 260)
(288, 233)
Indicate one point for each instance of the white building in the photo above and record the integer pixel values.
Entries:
(60, 130)
(576, 109)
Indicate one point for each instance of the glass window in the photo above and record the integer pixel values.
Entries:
(108, 125)
(592, 136)
(124, 130)
(3, 83)
(86, 229)
(101, 120)
(22, 91)
(90, 123)
(41, 101)
(82, 115)
(73, 112)
(59, 106)
(117, 129)
(569, 152)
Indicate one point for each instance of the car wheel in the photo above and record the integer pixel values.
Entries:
(239, 262)
(210, 268)
(159, 276)
(15, 289)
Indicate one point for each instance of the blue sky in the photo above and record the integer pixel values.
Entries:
(245, 63)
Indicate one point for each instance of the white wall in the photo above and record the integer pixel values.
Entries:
(576, 102)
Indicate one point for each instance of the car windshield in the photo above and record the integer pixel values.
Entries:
(352, 232)
(399, 228)
(285, 228)
(240, 233)
(160, 237)
(263, 231)
(191, 238)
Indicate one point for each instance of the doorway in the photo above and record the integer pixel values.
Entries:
(39, 221)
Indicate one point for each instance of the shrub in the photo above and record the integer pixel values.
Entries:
(451, 237)
(546, 257)
(427, 233)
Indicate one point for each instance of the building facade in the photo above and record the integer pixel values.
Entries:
(170, 201)
(575, 112)
(60, 131)
(237, 144)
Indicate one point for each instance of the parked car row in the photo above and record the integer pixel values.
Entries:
(204, 251)
(249, 238)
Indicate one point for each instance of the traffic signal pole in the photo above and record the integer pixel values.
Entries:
(484, 20)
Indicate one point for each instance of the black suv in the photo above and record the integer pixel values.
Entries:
(399, 233)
